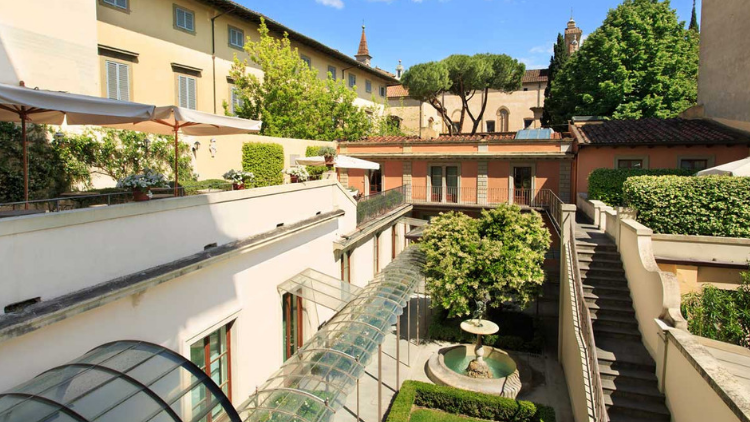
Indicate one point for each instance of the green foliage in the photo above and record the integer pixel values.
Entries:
(466, 403)
(642, 62)
(381, 203)
(291, 100)
(709, 206)
(464, 76)
(722, 315)
(499, 255)
(694, 20)
(192, 187)
(606, 184)
(518, 331)
(313, 151)
(265, 161)
(560, 56)
(429, 415)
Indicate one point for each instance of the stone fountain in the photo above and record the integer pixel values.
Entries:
(478, 368)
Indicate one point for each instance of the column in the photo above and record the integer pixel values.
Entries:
(482, 183)
(565, 181)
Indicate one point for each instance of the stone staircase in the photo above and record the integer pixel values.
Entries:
(626, 369)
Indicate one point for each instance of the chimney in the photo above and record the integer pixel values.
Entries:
(363, 54)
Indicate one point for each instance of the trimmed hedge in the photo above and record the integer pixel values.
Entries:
(265, 161)
(606, 184)
(313, 151)
(467, 403)
(192, 187)
(378, 204)
(709, 206)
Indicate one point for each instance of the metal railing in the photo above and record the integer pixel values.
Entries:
(585, 332)
(375, 205)
(539, 198)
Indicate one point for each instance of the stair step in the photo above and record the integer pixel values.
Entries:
(584, 245)
(643, 410)
(613, 321)
(616, 332)
(606, 289)
(595, 257)
(619, 312)
(625, 375)
(603, 280)
(628, 355)
(603, 269)
(604, 253)
(604, 300)
(646, 391)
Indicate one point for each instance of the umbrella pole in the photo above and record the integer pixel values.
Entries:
(176, 157)
(25, 163)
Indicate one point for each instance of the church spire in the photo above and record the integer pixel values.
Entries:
(363, 54)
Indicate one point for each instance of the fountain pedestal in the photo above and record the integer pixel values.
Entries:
(478, 368)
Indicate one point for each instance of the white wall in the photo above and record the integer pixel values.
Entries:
(361, 263)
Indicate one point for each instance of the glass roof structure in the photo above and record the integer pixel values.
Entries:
(313, 384)
(122, 381)
(320, 289)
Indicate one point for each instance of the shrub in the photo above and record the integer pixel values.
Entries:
(722, 315)
(606, 184)
(313, 151)
(192, 187)
(710, 206)
(265, 161)
(378, 204)
(466, 403)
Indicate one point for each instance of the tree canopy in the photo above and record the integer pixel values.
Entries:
(560, 56)
(290, 98)
(499, 255)
(642, 62)
(463, 76)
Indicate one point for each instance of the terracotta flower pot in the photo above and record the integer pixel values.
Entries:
(238, 186)
(329, 161)
(295, 179)
(140, 196)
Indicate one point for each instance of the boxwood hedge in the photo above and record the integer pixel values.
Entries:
(265, 161)
(606, 184)
(710, 206)
(467, 403)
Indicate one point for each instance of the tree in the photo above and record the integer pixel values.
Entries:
(559, 57)
(499, 255)
(463, 76)
(641, 62)
(290, 99)
(694, 20)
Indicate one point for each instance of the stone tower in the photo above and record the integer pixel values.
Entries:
(363, 54)
(573, 36)
(399, 70)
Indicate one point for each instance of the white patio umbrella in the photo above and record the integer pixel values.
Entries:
(735, 168)
(171, 120)
(26, 105)
(341, 161)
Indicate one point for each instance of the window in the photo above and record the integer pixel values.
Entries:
(236, 100)
(694, 164)
(118, 81)
(236, 37)
(184, 19)
(120, 4)
(382, 91)
(444, 183)
(306, 60)
(186, 91)
(636, 163)
(332, 70)
(490, 126)
(503, 116)
(212, 355)
(368, 87)
(527, 123)
(352, 80)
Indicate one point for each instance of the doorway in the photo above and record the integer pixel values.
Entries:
(444, 184)
(523, 185)
(292, 324)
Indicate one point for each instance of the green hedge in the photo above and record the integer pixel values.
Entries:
(192, 187)
(467, 403)
(378, 204)
(709, 206)
(314, 170)
(606, 184)
(518, 331)
(265, 161)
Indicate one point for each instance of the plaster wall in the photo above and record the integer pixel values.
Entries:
(393, 174)
(723, 80)
(362, 262)
(50, 44)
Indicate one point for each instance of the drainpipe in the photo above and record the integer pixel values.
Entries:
(213, 49)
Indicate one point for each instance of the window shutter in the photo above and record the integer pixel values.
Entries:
(111, 80)
(123, 82)
(189, 21)
(121, 3)
(183, 94)
(180, 17)
(191, 93)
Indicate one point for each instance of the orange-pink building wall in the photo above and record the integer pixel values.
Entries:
(393, 173)
(469, 171)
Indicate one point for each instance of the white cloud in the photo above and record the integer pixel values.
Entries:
(547, 49)
(533, 63)
(338, 4)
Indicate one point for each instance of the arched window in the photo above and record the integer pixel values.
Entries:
(503, 116)
(456, 119)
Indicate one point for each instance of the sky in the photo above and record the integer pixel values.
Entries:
(417, 31)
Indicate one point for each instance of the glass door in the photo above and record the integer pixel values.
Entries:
(451, 184)
(522, 178)
(436, 182)
(292, 323)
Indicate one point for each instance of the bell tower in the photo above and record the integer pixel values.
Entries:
(573, 36)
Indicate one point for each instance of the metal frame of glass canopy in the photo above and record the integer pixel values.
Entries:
(313, 384)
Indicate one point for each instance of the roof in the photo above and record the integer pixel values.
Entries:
(480, 137)
(531, 76)
(363, 50)
(653, 131)
(243, 12)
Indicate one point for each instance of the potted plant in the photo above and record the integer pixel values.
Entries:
(297, 174)
(239, 178)
(141, 184)
(329, 155)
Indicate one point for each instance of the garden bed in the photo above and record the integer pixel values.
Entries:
(462, 403)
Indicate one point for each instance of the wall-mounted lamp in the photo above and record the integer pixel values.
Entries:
(212, 147)
(196, 147)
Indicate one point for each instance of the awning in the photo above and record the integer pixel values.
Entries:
(313, 384)
(341, 161)
(735, 168)
(320, 289)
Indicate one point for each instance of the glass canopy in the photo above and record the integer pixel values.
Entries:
(122, 381)
(320, 289)
(314, 383)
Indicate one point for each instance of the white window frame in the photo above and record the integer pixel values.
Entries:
(352, 81)
(239, 33)
(186, 12)
(187, 103)
(643, 158)
(121, 93)
(444, 187)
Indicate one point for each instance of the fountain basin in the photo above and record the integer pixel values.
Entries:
(447, 367)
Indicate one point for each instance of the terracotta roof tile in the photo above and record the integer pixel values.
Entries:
(397, 91)
(653, 131)
(443, 138)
